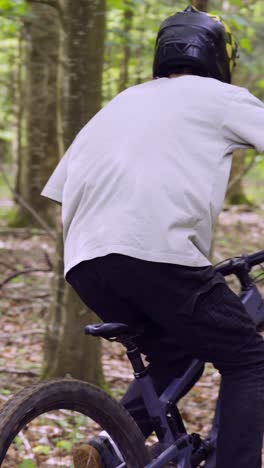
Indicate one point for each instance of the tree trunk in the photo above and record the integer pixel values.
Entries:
(235, 193)
(127, 21)
(201, 5)
(142, 40)
(67, 349)
(41, 154)
(19, 109)
(84, 49)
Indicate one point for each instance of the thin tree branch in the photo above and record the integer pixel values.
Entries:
(245, 170)
(25, 299)
(27, 445)
(17, 230)
(26, 205)
(6, 265)
(48, 260)
(22, 272)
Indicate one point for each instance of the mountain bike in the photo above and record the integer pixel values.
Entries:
(40, 424)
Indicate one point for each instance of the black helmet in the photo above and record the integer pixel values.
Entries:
(196, 40)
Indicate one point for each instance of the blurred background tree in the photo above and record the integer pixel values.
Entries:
(67, 349)
(60, 61)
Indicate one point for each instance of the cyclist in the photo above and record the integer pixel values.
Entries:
(141, 186)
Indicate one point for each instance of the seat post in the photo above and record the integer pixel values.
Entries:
(134, 356)
(154, 407)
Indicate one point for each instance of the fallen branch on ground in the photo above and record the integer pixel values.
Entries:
(23, 272)
(25, 299)
(27, 445)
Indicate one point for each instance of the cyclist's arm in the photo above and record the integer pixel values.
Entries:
(243, 124)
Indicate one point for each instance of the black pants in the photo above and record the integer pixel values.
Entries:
(187, 312)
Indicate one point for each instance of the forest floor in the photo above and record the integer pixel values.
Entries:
(25, 281)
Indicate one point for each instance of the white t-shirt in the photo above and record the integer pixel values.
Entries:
(147, 176)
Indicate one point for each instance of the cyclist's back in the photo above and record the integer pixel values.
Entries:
(152, 169)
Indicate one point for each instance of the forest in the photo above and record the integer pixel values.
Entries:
(60, 62)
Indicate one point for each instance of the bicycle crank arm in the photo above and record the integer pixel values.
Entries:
(180, 451)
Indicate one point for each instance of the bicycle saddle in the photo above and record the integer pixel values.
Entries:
(111, 330)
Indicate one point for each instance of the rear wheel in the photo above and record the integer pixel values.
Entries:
(40, 425)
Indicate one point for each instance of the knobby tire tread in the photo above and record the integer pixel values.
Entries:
(79, 396)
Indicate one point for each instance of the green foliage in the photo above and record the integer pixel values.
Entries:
(253, 182)
(5, 391)
(41, 450)
(13, 217)
(65, 445)
(11, 15)
(18, 442)
(236, 2)
(13, 7)
(27, 464)
(246, 44)
(260, 84)
(115, 4)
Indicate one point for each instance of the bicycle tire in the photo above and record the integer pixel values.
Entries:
(87, 399)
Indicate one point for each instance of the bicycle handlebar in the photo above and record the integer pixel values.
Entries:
(236, 263)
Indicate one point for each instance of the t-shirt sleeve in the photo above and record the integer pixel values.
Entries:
(55, 184)
(243, 124)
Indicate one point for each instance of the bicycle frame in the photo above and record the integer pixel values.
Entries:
(169, 427)
(176, 445)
